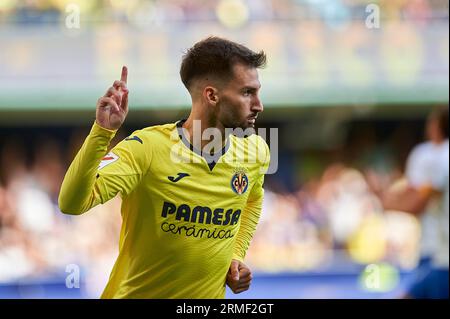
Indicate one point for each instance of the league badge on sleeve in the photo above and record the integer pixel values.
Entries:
(239, 182)
(108, 159)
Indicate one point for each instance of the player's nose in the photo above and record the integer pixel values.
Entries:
(257, 105)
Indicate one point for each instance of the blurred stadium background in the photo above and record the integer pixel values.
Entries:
(349, 102)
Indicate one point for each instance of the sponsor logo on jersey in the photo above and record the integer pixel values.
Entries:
(179, 176)
(201, 214)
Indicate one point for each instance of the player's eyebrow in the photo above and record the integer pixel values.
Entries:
(251, 88)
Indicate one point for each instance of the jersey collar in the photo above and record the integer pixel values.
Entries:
(211, 160)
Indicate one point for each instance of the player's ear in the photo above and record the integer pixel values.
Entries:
(210, 94)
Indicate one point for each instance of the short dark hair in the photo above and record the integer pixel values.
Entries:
(215, 56)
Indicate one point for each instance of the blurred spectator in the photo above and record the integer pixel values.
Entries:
(424, 193)
(145, 12)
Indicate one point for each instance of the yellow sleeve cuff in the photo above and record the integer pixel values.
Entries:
(98, 130)
(237, 258)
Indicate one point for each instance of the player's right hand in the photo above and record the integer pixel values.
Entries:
(112, 108)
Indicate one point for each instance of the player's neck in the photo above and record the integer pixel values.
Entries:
(196, 126)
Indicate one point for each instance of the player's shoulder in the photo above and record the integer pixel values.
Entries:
(253, 146)
(154, 134)
(253, 139)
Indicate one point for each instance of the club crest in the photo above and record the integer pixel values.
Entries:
(239, 182)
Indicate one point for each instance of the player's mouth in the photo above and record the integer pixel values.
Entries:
(252, 119)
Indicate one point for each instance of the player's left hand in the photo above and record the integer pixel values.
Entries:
(239, 276)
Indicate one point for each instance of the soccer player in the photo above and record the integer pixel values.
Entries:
(188, 212)
(426, 196)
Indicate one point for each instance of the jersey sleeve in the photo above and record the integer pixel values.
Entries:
(95, 177)
(252, 211)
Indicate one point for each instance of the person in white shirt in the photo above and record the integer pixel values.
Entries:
(426, 196)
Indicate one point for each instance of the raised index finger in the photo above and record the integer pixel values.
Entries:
(124, 75)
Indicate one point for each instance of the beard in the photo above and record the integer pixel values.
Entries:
(240, 127)
(236, 123)
(231, 119)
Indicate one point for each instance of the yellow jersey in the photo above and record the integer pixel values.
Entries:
(184, 216)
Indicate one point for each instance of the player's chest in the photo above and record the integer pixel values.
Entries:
(225, 182)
